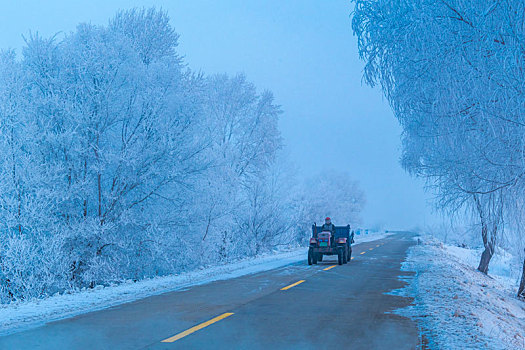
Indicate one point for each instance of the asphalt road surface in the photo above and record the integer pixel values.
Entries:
(295, 307)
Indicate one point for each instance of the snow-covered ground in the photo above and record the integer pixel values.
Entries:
(456, 306)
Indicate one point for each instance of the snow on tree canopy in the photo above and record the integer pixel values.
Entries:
(454, 74)
(119, 163)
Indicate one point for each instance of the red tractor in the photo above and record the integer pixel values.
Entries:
(322, 243)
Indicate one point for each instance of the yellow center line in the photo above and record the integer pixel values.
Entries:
(377, 245)
(292, 285)
(329, 267)
(371, 249)
(362, 253)
(196, 328)
(352, 258)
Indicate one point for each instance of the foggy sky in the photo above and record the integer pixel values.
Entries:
(303, 51)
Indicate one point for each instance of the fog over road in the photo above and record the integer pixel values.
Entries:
(295, 307)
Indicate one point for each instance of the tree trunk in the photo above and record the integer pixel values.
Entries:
(489, 248)
(521, 289)
(99, 181)
(99, 190)
(85, 204)
(485, 260)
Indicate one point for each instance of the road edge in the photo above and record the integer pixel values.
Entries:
(21, 316)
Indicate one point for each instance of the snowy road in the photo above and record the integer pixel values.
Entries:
(294, 307)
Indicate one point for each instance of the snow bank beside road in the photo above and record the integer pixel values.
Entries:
(17, 316)
(458, 307)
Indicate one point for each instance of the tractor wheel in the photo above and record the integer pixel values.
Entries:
(340, 254)
(319, 257)
(314, 258)
(310, 256)
(345, 256)
(349, 253)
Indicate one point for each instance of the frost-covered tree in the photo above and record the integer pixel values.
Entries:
(334, 194)
(117, 162)
(241, 126)
(453, 72)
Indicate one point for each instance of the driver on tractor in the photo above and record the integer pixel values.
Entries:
(329, 227)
